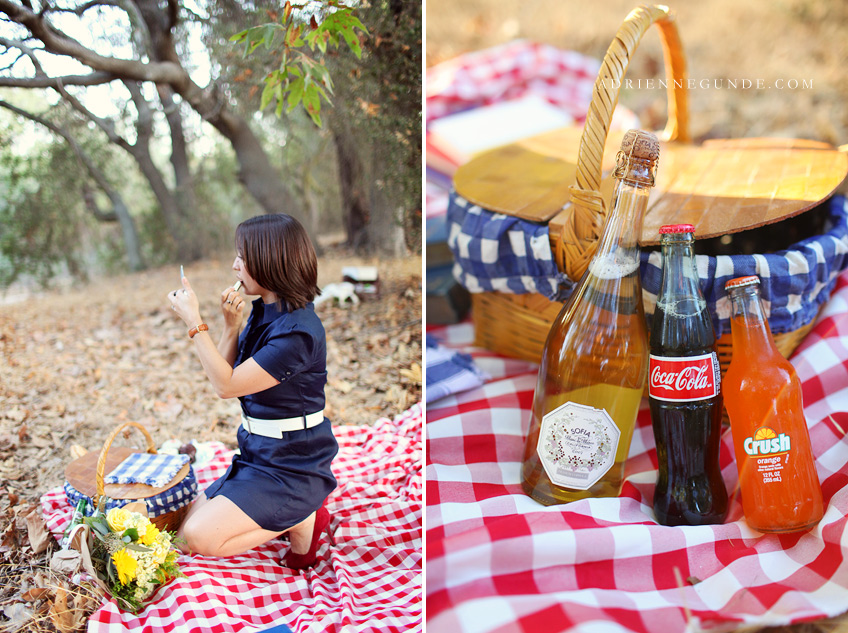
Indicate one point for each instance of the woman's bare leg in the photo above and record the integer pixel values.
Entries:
(218, 527)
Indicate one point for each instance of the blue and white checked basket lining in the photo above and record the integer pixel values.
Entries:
(497, 252)
(147, 468)
(168, 501)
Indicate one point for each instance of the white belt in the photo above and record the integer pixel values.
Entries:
(276, 428)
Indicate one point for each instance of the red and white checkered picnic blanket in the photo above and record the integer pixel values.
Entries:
(369, 578)
(499, 561)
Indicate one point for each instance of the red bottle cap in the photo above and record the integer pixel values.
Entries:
(676, 228)
(750, 280)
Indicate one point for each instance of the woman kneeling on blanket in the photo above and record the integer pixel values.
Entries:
(277, 368)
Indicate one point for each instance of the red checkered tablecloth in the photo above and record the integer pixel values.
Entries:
(497, 561)
(369, 576)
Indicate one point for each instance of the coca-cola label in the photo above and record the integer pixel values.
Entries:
(684, 378)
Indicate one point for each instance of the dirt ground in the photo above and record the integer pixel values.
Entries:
(75, 363)
(802, 40)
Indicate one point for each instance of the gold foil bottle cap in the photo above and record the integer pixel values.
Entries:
(641, 144)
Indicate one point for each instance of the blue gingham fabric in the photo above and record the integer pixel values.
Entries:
(491, 253)
(170, 500)
(494, 251)
(449, 371)
(146, 468)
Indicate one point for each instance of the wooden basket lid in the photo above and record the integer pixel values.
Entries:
(721, 187)
(82, 475)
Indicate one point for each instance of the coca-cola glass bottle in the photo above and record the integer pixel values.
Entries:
(684, 391)
(595, 360)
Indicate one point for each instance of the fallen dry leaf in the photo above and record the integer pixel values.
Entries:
(39, 537)
(36, 593)
(413, 373)
(63, 615)
(66, 562)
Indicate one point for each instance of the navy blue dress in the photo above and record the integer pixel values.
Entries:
(279, 482)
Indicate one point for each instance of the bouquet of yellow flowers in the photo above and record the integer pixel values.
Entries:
(131, 555)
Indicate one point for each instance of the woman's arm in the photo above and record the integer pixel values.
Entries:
(245, 379)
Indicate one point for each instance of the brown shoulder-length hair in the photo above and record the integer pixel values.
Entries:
(279, 255)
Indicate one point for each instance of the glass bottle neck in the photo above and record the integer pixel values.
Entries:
(749, 326)
(679, 269)
(618, 247)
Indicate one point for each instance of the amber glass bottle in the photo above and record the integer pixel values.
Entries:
(595, 360)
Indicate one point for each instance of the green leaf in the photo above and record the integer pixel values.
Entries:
(111, 570)
(267, 93)
(97, 525)
(322, 75)
(312, 103)
(295, 93)
(238, 37)
(132, 533)
(268, 33)
(137, 548)
(353, 42)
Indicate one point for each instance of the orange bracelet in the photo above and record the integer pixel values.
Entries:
(199, 328)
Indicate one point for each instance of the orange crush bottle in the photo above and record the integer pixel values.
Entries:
(595, 361)
(777, 475)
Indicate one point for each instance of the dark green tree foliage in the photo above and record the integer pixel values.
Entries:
(375, 105)
(376, 119)
(46, 228)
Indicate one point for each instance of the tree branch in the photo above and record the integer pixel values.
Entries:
(92, 169)
(96, 211)
(57, 42)
(107, 125)
(144, 121)
(94, 79)
(25, 50)
(173, 14)
(80, 10)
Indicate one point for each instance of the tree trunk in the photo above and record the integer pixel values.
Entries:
(355, 211)
(256, 172)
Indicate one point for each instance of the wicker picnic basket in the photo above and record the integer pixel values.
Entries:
(558, 178)
(166, 505)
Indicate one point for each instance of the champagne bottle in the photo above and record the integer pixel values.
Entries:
(595, 361)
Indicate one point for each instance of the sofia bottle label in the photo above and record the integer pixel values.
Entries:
(577, 445)
(684, 378)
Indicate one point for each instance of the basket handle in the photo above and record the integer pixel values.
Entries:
(101, 461)
(579, 237)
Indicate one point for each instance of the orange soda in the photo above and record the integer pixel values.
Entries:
(762, 393)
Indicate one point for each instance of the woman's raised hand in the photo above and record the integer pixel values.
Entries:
(232, 306)
(184, 302)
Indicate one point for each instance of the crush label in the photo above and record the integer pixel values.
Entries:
(770, 451)
(577, 445)
(684, 378)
